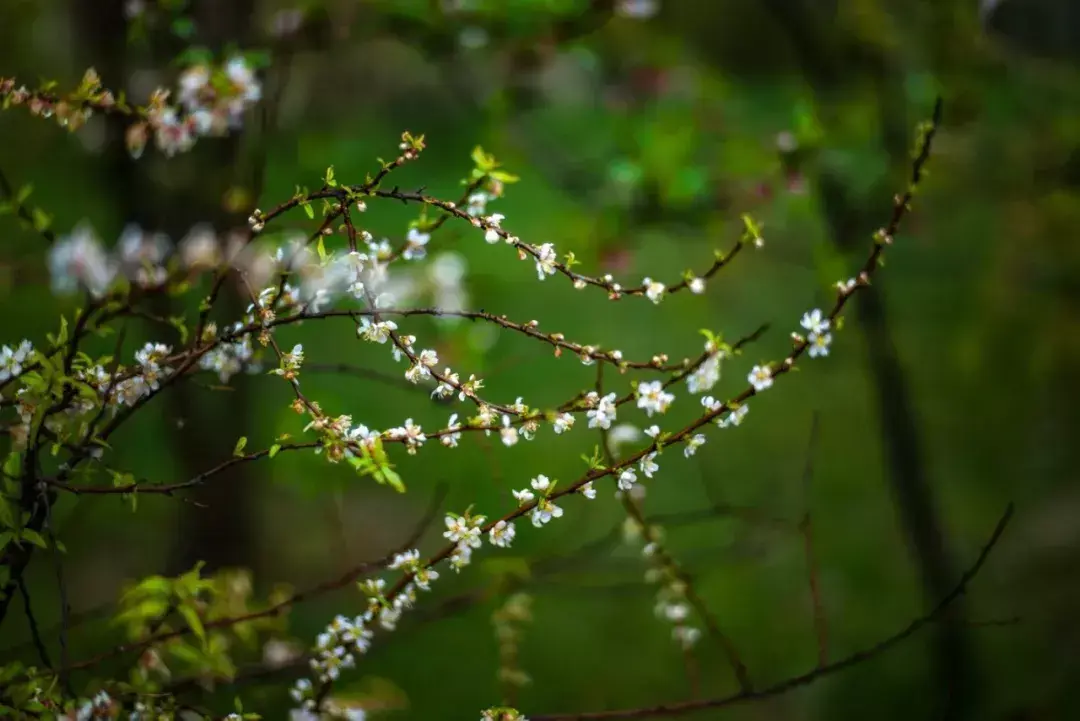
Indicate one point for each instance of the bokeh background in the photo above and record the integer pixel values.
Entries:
(641, 132)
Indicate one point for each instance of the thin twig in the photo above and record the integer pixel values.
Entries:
(806, 528)
(35, 633)
(685, 707)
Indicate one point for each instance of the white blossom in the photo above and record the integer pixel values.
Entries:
(450, 440)
(376, 332)
(563, 422)
(653, 398)
(819, 344)
(604, 413)
(544, 511)
(735, 417)
(761, 378)
(815, 322)
(501, 534)
(494, 222)
(654, 290)
(12, 360)
(546, 259)
(693, 443)
(648, 465)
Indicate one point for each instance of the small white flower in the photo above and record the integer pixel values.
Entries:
(456, 528)
(654, 290)
(648, 465)
(653, 398)
(450, 440)
(11, 361)
(477, 202)
(563, 422)
(508, 432)
(494, 221)
(541, 483)
(376, 332)
(819, 344)
(501, 534)
(544, 511)
(405, 560)
(415, 245)
(424, 576)
(622, 434)
(686, 635)
(546, 259)
(735, 417)
(761, 378)
(696, 286)
(523, 496)
(604, 413)
(653, 431)
(588, 490)
(676, 612)
(815, 322)
(627, 479)
(461, 557)
(428, 358)
(692, 444)
(705, 376)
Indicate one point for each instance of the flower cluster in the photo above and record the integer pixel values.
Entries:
(211, 101)
(819, 336)
(12, 360)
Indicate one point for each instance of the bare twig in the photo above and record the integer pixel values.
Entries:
(806, 528)
(685, 707)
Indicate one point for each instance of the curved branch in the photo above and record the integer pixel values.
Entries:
(685, 707)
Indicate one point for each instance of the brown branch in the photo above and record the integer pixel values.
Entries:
(665, 559)
(346, 579)
(170, 488)
(685, 707)
(806, 528)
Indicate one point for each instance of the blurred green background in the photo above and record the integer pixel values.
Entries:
(640, 140)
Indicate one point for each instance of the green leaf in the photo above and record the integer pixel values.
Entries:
(274, 449)
(12, 464)
(183, 27)
(177, 321)
(193, 621)
(41, 219)
(238, 450)
(504, 177)
(5, 539)
(390, 476)
(149, 586)
(63, 336)
(309, 210)
(29, 534)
